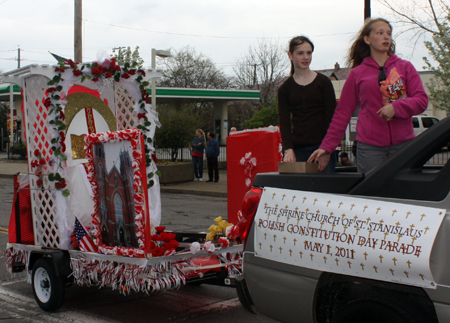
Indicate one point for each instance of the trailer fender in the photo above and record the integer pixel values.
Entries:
(60, 260)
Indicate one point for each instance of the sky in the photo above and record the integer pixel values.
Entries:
(221, 30)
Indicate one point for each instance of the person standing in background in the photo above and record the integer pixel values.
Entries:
(306, 103)
(198, 146)
(212, 152)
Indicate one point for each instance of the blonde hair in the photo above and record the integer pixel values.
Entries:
(360, 49)
(201, 132)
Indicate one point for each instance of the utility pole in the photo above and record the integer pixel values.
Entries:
(254, 74)
(366, 9)
(78, 37)
(18, 57)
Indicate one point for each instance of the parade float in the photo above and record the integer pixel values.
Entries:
(88, 210)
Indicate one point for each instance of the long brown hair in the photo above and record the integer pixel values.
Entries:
(297, 41)
(359, 49)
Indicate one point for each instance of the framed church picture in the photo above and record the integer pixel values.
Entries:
(116, 171)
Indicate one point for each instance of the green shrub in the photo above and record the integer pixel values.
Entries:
(19, 150)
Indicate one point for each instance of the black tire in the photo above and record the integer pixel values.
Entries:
(48, 289)
(376, 310)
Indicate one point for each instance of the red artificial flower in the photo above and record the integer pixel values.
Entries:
(160, 229)
(147, 100)
(34, 163)
(132, 72)
(62, 116)
(50, 90)
(60, 69)
(126, 75)
(117, 68)
(47, 102)
(108, 75)
(61, 184)
(76, 72)
(223, 242)
(141, 115)
(136, 154)
(42, 162)
(70, 62)
(155, 159)
(95, 79)
(39, 183)
(97, 70)
(36, 153)
(113, 60)
(142, 72)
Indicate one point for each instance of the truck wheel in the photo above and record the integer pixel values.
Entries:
(377, 311)
(48, 289)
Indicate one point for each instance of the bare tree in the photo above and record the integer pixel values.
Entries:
(263, 68)
(189, 69)
(418, 16)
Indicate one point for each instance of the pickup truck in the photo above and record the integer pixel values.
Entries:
(340, 286)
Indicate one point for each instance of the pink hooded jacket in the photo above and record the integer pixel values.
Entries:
(361, 87)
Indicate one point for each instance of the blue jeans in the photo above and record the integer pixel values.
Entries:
(304, 152)
(198, 166)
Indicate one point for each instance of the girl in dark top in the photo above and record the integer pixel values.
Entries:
(198, 146)
(306, 103)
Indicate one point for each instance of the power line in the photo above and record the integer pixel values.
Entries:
(203, 36)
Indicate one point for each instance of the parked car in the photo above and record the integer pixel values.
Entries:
(291, 279)
(422, 122)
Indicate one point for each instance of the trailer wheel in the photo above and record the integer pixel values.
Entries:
(48, 289)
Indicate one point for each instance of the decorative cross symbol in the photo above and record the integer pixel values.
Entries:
(406, 273)
(284, 238)
(399, 237)
(370, 232)
(357, 230)
(385, 234)
(273, 195)
(378, 209)
(260, 244)
(412, 226)
(355, 217)
(352, 206)
(368, 219)
(295, 240)
(321, 224)
(340, 203)
(293, 198)
(301, 254)
(315, 200)
(309, 221)
(426, 229)
(284, 195)
(395, 261)
(332, 227)
(365, 207)
(365, 255)
(422, 216)
(381, 259)
(397, 224)
(290, 252)
(349, 264)
(271, 248)
(392, 271)
(362, 266)
(328, 202)
(393, 212)
(375, 267)
(280, 250)
(331, 213)
(305, 198)
(312, 256)
(407, 214)
(337, 261)
(265, 236)
(345, 228)
(409, 264)
(421, 276)
(414, 238)
(274, 237)
(325, 259)
(381, 221)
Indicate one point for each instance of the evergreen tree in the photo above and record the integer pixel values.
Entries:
(128, 56)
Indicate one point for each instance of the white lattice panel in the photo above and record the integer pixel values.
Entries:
(43, 199)
(125, 113)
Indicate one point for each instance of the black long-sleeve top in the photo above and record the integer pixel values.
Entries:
(305, 111)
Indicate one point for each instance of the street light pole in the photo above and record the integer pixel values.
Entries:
(160, 53)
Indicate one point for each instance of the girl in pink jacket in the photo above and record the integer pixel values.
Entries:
(389, 92)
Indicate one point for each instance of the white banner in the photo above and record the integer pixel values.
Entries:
(348, 235)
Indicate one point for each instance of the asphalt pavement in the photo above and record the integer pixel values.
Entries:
(10, 167)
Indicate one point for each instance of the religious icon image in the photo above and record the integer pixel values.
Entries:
(114, 176)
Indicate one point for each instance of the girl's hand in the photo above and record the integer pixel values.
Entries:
(320, 156)
(387, 112)
(289, 156)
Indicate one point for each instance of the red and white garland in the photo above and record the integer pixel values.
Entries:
(249, 163)
(133, 136)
